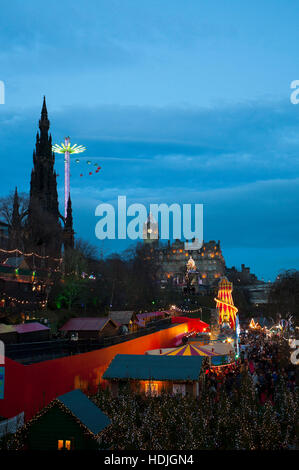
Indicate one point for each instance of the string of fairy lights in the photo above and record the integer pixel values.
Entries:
(174, 307)
(9, 252)
(42, 303)
(21, 434)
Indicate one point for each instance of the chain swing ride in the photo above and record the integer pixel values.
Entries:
(67, 149)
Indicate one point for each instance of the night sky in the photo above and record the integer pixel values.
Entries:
(177, 101)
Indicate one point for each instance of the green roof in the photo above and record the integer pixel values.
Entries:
(85, 410)
(219, 360)
(145, 367)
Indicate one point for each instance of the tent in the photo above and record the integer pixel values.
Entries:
(190, 350)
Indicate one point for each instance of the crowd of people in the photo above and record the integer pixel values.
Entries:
(261, 357)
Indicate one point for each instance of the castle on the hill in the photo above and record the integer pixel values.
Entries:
(192, 269)
(204, 266)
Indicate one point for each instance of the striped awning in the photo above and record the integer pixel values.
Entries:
(189, 350)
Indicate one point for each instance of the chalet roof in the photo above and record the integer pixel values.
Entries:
(15, 261)
(86, 324)
(7, 328)
(121, 317)
(85, 410)
(30, 327)
(146, 367)
(219, 360)
(142, 316)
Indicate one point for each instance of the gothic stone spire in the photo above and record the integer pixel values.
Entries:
(69, 241)
(43, 218)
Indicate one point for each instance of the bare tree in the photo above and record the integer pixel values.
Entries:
(6, 206)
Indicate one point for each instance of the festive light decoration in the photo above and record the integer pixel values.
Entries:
(42, 303)
(191, 267)
(174, 307)
(225, 304)
(253, 324)
(30, 254)
(22, 434)
(67, 149)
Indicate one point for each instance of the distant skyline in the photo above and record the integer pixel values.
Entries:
(189, 103)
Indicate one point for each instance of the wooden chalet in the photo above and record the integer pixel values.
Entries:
(123, 318)
(151, 374)
(90, 327)
(24, 333)
(70, 422)
(8, 334)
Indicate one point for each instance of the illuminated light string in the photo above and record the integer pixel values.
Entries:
(173, 307)
(21, 435)
(30, 254)
(43, 303)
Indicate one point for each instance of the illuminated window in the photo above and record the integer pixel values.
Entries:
(179, 389)
(64, 445)
(68, 445)
(151, 389)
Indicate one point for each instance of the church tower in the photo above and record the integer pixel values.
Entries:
(44, 233)
(15, 228)
(150, 230)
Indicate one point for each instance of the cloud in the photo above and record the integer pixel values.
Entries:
(241, 162)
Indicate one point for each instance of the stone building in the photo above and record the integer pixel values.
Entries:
(173, 258)
(242, 277)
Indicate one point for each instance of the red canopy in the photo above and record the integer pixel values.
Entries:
(194, 323)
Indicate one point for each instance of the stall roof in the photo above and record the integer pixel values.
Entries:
(145, 367)
(7, 328)
(142, 316)
(219, 360)
(30, 327)
(86, 324)
(85, 410)
(121, 317)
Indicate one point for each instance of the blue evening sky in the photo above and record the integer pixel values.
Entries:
(182, 101)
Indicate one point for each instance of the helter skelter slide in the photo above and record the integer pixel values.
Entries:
(225, 304)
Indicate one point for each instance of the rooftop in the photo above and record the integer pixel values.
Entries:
(145, 367)
(121, 317)
(86, 324)
(29, 353)
(30, 327)
(85, 410)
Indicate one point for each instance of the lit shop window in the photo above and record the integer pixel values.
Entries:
(151, 389)
(64, 445)
(179, 389)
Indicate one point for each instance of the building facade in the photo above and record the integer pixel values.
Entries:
(174, 262)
